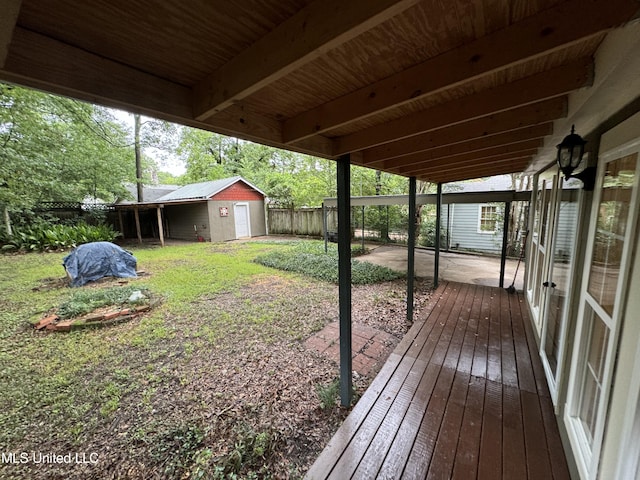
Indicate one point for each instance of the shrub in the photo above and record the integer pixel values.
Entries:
(328, 394)
(45, 237)
(309, 258)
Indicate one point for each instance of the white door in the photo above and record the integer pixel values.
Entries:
(541, 236)
(603, 292)
(241, 215)
(554, 311)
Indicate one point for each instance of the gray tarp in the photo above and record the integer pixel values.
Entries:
(92, 261)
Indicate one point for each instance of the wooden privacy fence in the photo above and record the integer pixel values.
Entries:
(299, 221)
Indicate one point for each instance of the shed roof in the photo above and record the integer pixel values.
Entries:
(204, 190)
(150, 193)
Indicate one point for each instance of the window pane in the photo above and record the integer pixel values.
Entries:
(488, 218)
(613, 213)
(563, 251)
(593, 372)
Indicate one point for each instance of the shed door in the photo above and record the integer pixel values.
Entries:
(241, 214)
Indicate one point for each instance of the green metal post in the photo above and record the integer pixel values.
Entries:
(505, 240)
(324, 228)
(436, 259)
(411, 247)
(344, 276)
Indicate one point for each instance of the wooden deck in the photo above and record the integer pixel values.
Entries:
(463, 396)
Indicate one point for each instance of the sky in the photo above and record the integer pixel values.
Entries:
(166, 162)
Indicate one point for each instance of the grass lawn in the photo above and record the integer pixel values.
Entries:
(213, 383)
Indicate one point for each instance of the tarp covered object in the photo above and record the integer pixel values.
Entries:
(92, 261)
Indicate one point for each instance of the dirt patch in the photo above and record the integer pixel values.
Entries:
(229, 388)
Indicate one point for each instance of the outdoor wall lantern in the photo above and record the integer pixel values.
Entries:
(570, 152)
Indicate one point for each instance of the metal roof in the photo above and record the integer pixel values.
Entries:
(204, 190)
(150, 193)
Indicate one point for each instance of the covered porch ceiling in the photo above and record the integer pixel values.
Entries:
(440, 91)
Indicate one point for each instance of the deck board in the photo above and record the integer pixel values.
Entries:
(462, 396)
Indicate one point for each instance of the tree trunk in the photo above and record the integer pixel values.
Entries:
(422, 188)
(136, 146)
(384, 226)
(7, 221)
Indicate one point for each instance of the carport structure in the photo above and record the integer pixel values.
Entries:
(437, 91)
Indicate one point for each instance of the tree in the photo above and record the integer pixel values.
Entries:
(57, 149)
(290, 178)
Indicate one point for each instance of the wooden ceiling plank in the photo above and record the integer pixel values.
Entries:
(515, 166)
(470, 158)
(239, 121)
(8, 19)
(506, 138)
(427, 169)
(484, 165)
(42, 62)
(534, 114)
(428, 157)
(533, 36)
(317, 28)
(77, 73)
(549, 84)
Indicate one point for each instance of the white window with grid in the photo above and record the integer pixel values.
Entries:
(488, 219)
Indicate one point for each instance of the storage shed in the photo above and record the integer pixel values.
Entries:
(213, 211)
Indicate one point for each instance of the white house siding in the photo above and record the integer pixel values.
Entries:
(181, 219)
(565, 230)
(463, 229)
(464, 224)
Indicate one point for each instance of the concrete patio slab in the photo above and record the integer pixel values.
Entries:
(454, 267)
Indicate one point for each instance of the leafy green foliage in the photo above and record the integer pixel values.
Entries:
(249, 451)
(85, 301)
(44, 236)
(328, 394)
(289, 178)
(57, 149)
(309, 258)
(178, 449)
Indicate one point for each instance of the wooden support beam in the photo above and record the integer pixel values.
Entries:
(549, 84)
(480, 165)
(311, 32)
(528, 38)
(415, 164)
(136, 214)
(529, 115)
(160, 228)
(71, 71)
(344, 276)
(121, 222)
(80, 74)
(517, 165)
(8, 19)
(536, 132)
(470, 163)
